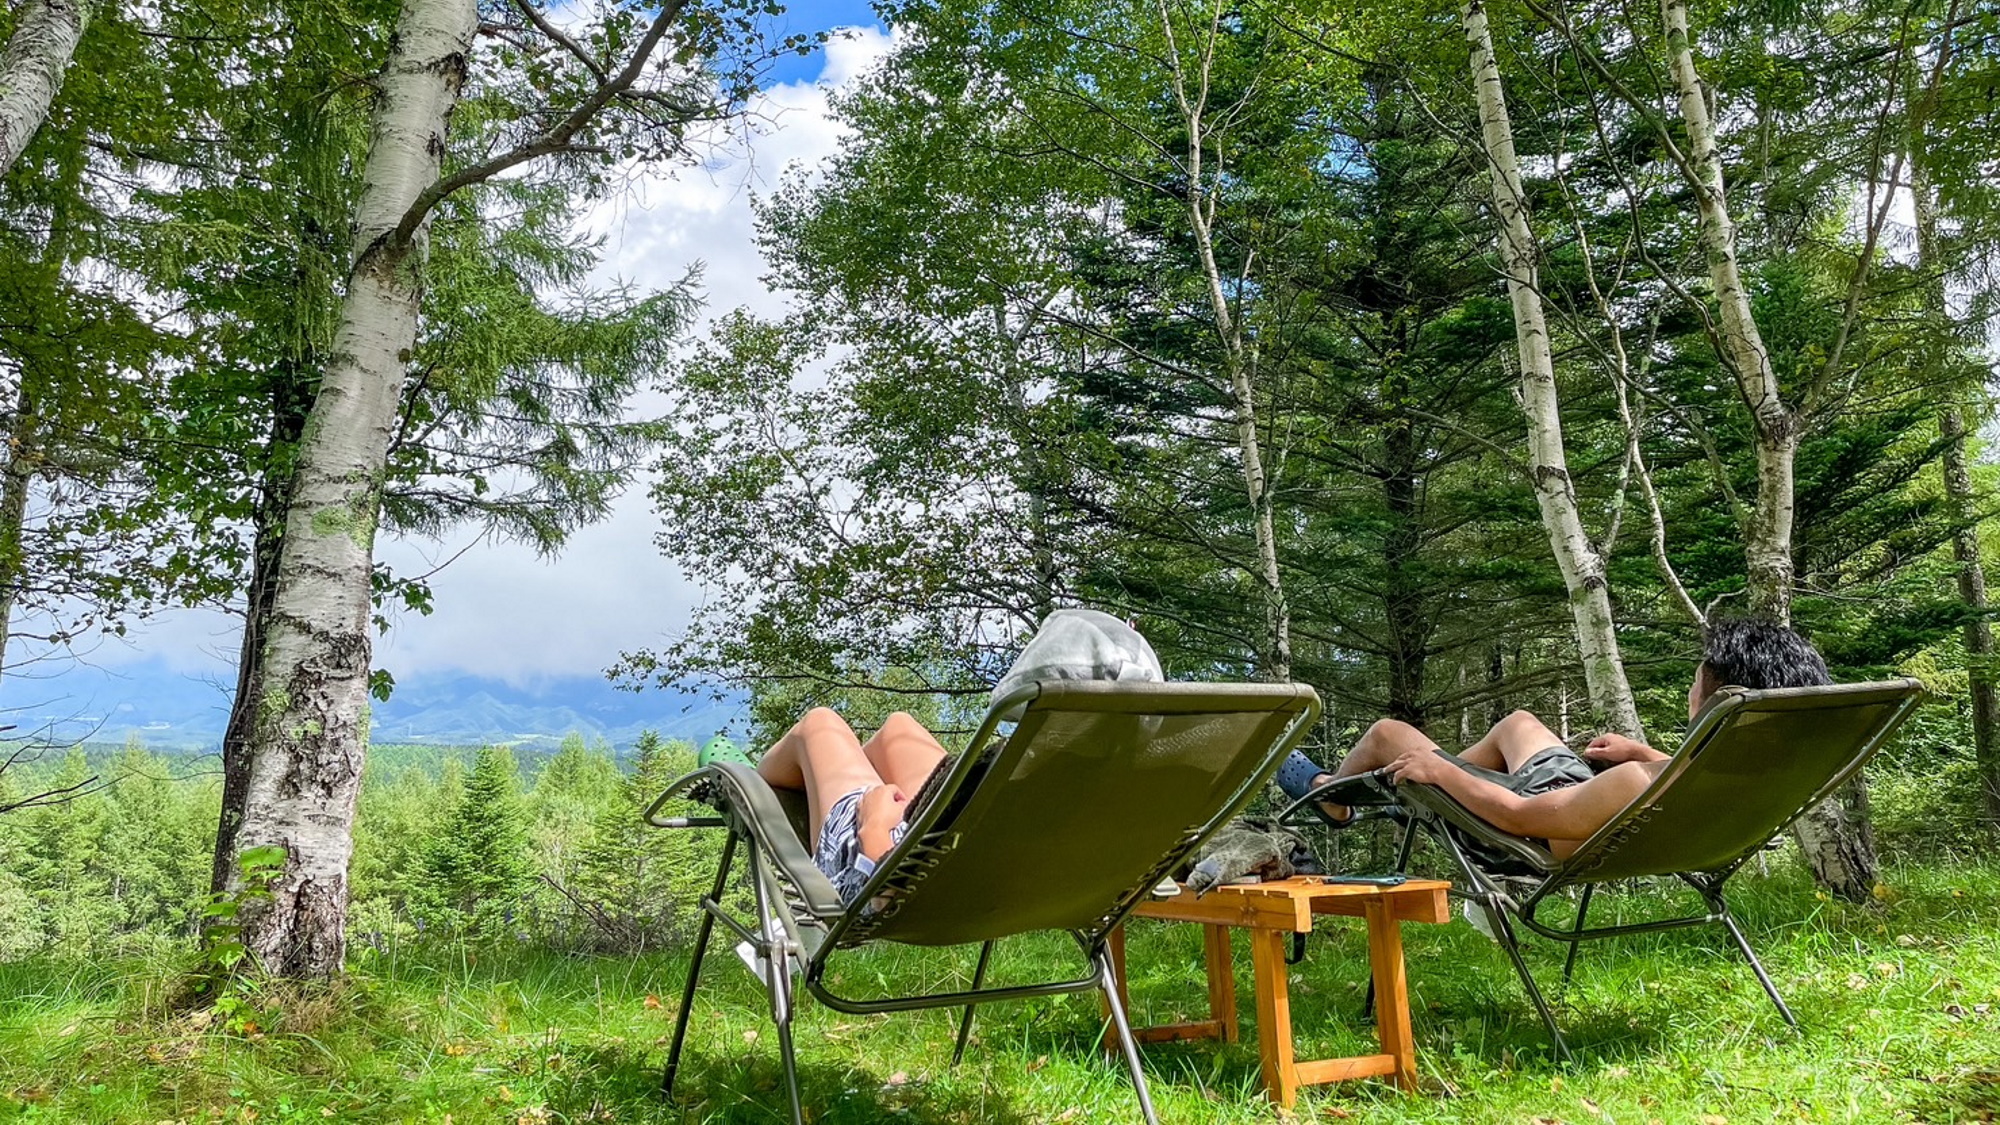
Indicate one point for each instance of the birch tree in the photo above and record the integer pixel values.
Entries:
(1193, 85)
(1838, 850)
(1582, 567)
(45, 36)
(310, 728)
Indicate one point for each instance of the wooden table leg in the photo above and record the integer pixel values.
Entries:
(1274, 1016)
(1221, 980)
(1392, 994)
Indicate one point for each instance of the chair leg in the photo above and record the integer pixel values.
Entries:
(1750, 955)
(1107, 982)
(778, 980)
(965, 1022)
(1582, 908)
(694, 970)
(1512, 944)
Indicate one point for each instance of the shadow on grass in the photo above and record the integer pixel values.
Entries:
(623, 1084)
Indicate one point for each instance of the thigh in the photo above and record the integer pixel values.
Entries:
(903, 753)
(1517, 738)
(829, 761)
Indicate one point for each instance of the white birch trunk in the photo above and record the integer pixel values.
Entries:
(1961, 501)
(1837, 850)
(311, 729)
(32, 68)
(1582, 567)
(1768, 540)
(1237, 360)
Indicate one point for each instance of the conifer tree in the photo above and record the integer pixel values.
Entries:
(635, 881)
(478, 861)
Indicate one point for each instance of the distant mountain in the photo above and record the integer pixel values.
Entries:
(176, 710)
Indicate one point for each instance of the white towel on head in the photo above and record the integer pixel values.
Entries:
(1081, 644)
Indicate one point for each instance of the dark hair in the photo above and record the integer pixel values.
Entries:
(1760, 653)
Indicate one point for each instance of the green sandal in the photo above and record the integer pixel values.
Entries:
(721, 749)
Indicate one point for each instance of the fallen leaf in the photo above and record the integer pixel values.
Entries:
(898, 1078)
(750, 1036)
(1038, 1064)
(652, 1001)
(1548, 1121)
(1907, 941)
(1590, 1107)
(1887, 968)
(1856, 981)
(1714, 1119)
(456, 1049)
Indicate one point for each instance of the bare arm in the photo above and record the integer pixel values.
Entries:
(1572, 813)
(1610, 748)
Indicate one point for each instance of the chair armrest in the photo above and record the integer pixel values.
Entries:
(1431, 800)
(752, 808)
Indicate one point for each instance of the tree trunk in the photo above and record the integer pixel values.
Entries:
(32, 68)
(1239, 361)
(311, 725)
(1838, 851)
(1404, 606)
(23, 452)
(1582, 567)
(238, 739)
(1961, 502)
(1768, 540)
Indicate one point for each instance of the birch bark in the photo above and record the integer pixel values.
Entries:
(32, 68)
(311, 727)
(1582, 568)
(1837, 849)
(1191, 95)
(1768, 538)
(1961, 504)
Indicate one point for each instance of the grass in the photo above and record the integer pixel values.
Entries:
(1900, 1005)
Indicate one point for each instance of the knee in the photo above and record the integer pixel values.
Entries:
(1393, 731)
(1521, 724)
(820, 718)
(902, 722)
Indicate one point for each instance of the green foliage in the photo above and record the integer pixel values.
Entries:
(636, 886)
(476, 863)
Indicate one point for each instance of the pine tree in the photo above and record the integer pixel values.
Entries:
(478, 861)
(634, 881)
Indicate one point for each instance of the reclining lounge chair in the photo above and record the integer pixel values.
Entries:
(1753, 763)
(1066, 823)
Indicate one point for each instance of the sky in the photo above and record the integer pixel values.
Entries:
(501, 611)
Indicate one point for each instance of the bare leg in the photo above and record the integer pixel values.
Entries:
(820, 755)
(903, 753)
(1511, 742)
(1383, 743)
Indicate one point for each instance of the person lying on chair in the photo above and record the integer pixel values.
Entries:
(859, 795)
(1523, 780)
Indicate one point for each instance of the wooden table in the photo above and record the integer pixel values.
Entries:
(1272, 912)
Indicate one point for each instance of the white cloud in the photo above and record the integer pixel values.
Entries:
(500, 610)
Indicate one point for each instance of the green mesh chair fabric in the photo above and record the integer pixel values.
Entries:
(1752, 763)
(1064, 823)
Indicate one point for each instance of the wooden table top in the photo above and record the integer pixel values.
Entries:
(1289, 904)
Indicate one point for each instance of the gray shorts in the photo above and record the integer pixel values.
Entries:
(1558, 767)
(839, 852)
